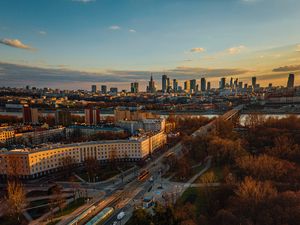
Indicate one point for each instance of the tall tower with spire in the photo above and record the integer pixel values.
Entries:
(151, 86)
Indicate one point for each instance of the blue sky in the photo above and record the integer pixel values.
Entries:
(128, 39)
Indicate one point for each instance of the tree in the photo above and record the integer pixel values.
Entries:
(251, 198)
(91, 166)
(253, 120)
(140, 217)
(285, 148)
(225, 150)
(15, 199)
(57, 197)
(224, 128)
(68, 164)
(184, 168)
(265, 167)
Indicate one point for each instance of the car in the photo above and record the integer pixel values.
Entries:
(115, 223)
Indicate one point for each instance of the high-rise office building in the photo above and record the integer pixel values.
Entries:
(164, 83)
(30, 115)
(231, 82)
(103, 89)
(92, 116)
(193, 85)
(175, 85)
(208, 86)
(291, 80)
(236, 83)
(240, 85)
(187, 86)
(222, 83)
(134, 87)
(169, 87)
(203, 84)
(113, 90)
(63, 117)
(254, 85)
(151, 86)
(94, 88)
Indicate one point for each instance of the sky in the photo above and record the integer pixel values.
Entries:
(71, 44)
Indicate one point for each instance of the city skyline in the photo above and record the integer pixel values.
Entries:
(121, 43)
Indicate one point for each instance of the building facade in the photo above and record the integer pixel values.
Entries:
(33, 163)
(7, 135)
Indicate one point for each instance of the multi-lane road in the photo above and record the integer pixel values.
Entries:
(128, 195)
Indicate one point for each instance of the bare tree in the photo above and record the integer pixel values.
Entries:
(58, 198)
(92, 166)
(15, 199)
(68, 164)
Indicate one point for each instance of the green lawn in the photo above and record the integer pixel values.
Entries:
(70, 207)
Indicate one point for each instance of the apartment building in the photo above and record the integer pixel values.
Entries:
(40, 136)
(33, 163)
(147, 125)
(7, 134)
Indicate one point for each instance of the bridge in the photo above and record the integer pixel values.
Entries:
(230, 115)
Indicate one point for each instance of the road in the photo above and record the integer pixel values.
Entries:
(133, 190)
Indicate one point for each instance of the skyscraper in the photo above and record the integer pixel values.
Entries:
(94, 88)
(103, 89)
(187, 86)
(203, 84)
(134, 87)
(222, 83)
(291, 80)
(231, 82)
(175, 85)
(92, 116)
(164, 83)
(254, 82)
(208, 86)
(151, 86)
(193, 85)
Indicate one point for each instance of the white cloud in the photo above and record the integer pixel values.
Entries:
(236, 50)
(15, 43)
(84, 1)
(198, 50)
(41, 32)
(132, 30)
(298, 48)
(114, 27)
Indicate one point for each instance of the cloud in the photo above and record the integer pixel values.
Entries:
(114, 27)
(61, 76)
(84, 1)
(197, 50)
(132, 30)
(236, 50)
(41, 32)
(287, 68)
(15, 43)
(298, 48)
